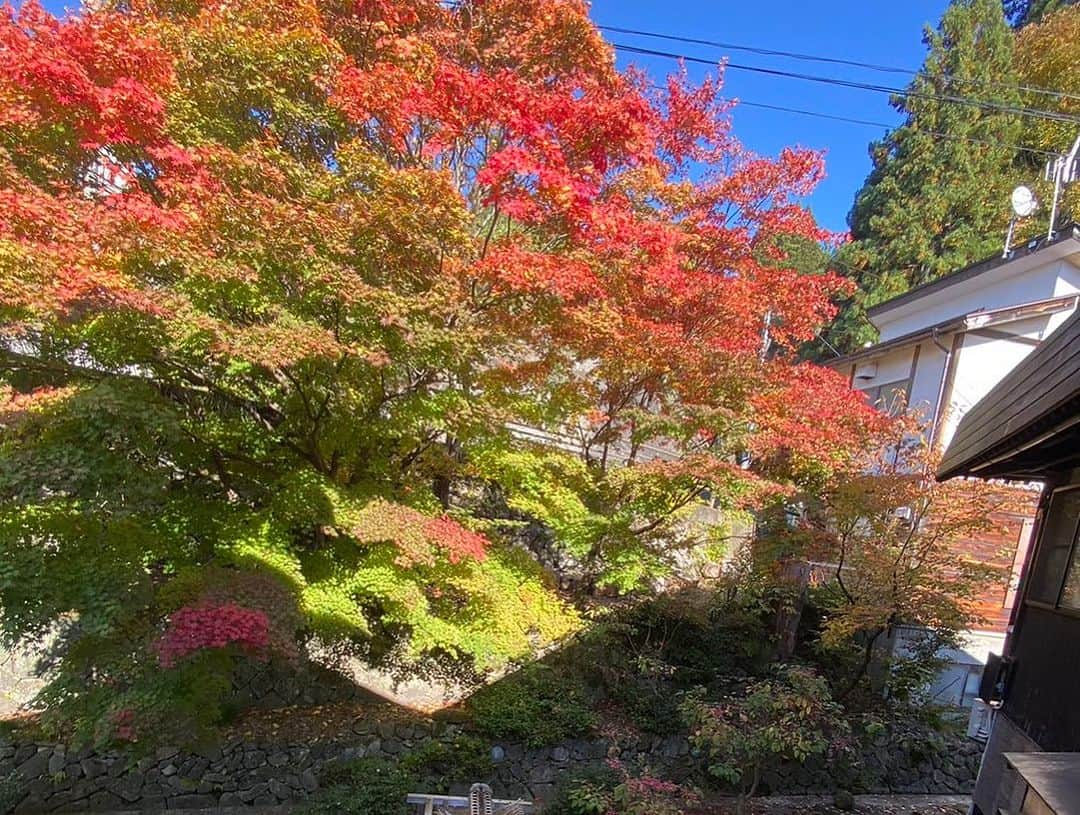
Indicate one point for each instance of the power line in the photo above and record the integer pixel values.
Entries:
(890, 69)
(960, 100)
(819, 115)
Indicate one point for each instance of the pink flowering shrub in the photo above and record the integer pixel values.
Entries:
(194, 628)
(123, 722)
(259, 592)
(619, 793)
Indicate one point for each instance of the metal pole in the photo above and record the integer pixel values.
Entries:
(1009, 237)
(1059, 169)
(1064, 173)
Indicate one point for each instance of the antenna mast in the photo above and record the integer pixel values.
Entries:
(1062, 170)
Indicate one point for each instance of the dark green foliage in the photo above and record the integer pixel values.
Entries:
(935, 203)
(844, 801)
(919, 730)
(638, 659)
(178, 706)
(585, 792)
(537, 705)
(438, 764)
(11, 794)
(361, 787)
(790, 716)
(645, 657)
(1022, 12)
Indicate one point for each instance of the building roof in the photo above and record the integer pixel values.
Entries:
(1028, 425)
(1055, 777)
(1067, 232)
(981, 318)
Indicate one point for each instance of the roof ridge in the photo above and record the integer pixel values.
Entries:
(1069, 230)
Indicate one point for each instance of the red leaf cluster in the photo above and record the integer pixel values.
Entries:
(416, 535)
(195, 628)
(91, 73)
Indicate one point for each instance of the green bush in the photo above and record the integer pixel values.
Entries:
(644, 658)
(612, 789)
(537, 705)
(788, 717)
(153, 706)
(11, 793)
(438, 764)
(585, 792)
(361, 787)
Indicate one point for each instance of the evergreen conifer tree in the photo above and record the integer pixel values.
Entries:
(935, 198)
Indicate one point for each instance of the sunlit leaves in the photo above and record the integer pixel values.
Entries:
(282, 283)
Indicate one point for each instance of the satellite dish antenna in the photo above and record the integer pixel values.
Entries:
(1023, 202)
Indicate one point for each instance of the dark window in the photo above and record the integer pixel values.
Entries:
(890, 397)
(1054, 580)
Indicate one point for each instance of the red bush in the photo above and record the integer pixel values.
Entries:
(194, 628)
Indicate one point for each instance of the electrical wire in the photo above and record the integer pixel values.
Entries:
(833, 117)
(829, 60)
(892, 91)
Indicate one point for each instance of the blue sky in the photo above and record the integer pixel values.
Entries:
(873, 31)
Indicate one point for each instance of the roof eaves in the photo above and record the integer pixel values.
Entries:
(1067, 232)
(983, 318)
(1034, 398)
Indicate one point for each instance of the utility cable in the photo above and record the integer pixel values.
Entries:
(961, 100)
(830, 60)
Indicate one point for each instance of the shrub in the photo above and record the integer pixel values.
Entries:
(11, 793)
(788, 717)
(611, 789)
(166, 676)
(147, 705)
(196, 628)
(584, 792)
(361, 787)
(438, 764)
(536, 705)
(643, 658)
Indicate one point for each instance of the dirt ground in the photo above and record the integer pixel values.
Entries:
(864, 805)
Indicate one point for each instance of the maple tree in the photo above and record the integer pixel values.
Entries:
(887, 538)
(280, 281)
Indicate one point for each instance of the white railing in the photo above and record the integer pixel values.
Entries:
(455, 804)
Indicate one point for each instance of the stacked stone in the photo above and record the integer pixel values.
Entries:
(53, 778)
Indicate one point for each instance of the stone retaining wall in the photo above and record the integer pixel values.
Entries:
(51, 778)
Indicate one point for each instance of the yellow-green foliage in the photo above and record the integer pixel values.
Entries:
(551, 486)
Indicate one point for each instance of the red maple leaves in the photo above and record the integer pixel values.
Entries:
(404, 178)
(195, 628)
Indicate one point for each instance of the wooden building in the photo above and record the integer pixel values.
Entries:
(1028, 428)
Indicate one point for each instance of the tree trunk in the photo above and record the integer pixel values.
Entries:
(744, 797)
(795, 575)
(868, 657)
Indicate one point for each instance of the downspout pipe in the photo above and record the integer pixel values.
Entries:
(939, 403)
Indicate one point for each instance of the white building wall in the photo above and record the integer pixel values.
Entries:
(928, 376)
(984, 361)
(999, 288)
(895, 366)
